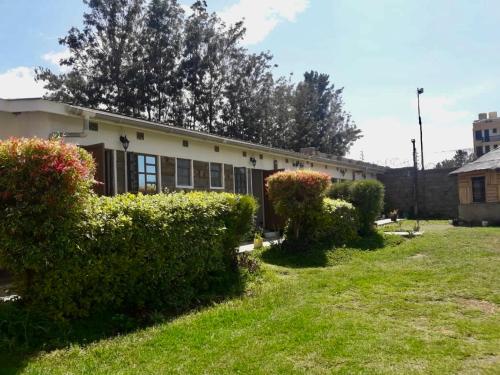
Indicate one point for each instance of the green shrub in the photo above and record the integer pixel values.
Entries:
(337, 223)
(340, 190)
(134, 252)
(366, 195)
(72, 253)
(297, 196)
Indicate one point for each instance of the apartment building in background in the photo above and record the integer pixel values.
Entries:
(486, 133)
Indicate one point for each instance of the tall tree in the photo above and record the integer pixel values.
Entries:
(458, 160)
(320, 118)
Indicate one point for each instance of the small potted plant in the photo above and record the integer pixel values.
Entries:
(394, 215)
(258, 241)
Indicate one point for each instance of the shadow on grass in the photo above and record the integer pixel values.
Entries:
(326, 255)
(23, 333)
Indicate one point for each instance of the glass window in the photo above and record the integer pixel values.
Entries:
(184, 172)
(478, 189)
(216, 175)
(146, 169)
(240, 180)
(479, 136)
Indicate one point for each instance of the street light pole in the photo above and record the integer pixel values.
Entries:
(420, 91)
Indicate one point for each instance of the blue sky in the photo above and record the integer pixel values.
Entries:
(380, 52)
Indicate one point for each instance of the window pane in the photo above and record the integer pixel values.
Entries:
(151, 160)
(216, 175)
(140, 163)
(478, 189)
(151, 178)
(142, 182)
(183, 172)
(151, 169)
(240, 180)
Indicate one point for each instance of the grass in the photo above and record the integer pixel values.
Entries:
(429, 305)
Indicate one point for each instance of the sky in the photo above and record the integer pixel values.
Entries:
(378, 51)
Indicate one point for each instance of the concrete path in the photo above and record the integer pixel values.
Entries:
(249, 247)
(385, 221)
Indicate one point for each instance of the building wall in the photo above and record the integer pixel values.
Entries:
(158, 143)
(477, 212)
(492, 186)
(437, 193)
(493, 126)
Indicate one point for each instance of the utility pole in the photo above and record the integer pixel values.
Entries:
(415, 180)
(420, 91)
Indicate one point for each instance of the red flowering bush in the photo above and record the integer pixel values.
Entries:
(44, 176)
(297, 196)
(43, 187)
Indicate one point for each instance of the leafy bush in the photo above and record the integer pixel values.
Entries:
(297, 196)
(366, 195)
(340, 190)
(72, 253)
(337, 223)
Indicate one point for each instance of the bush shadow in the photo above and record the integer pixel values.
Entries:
(24, 333)
(324, 255)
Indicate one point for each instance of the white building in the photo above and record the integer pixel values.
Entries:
(161, 157)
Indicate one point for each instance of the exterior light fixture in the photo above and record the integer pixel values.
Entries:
(125, 142)
(253, 161)
(419, 92)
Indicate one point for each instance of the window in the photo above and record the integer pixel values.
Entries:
(146, 167)
(486, 135)
(93, 126)
(478, 190)
(494, 130)
(261, 156)
(240, 180)
(184, 173)
(479, 151)
(244, 154)
(216, 148)
(140, 136)
(275, 165)
(216, 178)
(479, 136)
(486, 149)
(185, 143)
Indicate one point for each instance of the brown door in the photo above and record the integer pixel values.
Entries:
(271, 220)
(97, 152)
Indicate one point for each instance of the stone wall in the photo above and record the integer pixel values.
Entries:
(438, 192)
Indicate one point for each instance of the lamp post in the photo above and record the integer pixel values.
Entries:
(420, 91)
(125, 143)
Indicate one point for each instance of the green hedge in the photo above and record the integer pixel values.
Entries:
(366, 195)
(337, 223)
(133, 252)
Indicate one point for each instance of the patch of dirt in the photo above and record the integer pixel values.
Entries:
(477, 304)
(475, 364)
(418, 256)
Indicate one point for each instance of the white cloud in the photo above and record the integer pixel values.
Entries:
(446, 128)
(262, 16)
(54, 58)
(20, 83)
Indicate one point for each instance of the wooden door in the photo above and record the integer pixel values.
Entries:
(98, 153)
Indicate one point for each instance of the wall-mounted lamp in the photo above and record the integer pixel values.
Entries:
(125, 142)
(253, 161)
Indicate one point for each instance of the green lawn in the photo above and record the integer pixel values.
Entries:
(428, 305)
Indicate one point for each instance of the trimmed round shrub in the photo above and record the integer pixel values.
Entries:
(366, 195)
(338, 222)
(297, 196)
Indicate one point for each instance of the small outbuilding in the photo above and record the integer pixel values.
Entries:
(479, 189)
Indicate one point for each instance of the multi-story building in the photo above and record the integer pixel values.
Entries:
(486, 133)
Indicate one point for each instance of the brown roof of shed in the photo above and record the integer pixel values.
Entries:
(489, 161)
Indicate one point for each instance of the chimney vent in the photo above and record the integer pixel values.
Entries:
(483, 116)
(492, 115)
